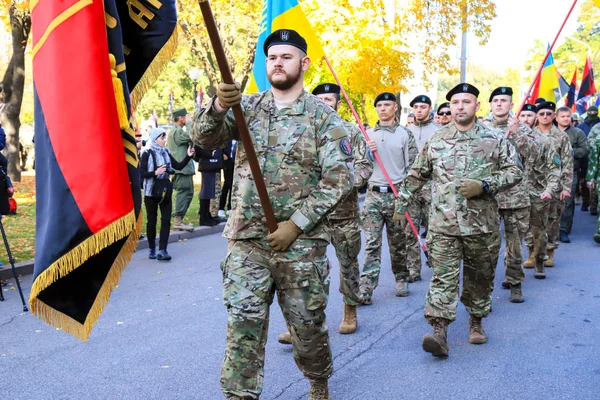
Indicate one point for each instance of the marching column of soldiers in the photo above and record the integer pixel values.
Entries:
(454, 176)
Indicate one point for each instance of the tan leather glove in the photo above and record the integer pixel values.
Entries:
(399, 214)
(229, 94)
(284, 236)
(471, 188)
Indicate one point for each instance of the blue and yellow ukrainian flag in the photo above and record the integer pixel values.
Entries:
(281, 14)
(547, 85)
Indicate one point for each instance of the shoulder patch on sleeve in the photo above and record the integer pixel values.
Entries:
(345, 146)
(557, 160)
(338, 133)
(371, 155)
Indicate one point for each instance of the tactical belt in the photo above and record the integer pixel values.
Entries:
(381, 189)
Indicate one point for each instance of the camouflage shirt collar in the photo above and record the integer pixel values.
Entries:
(471, 133)
(391, 128)
(496, 123)
(295, 108)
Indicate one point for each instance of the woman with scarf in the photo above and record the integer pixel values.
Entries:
(156, 165)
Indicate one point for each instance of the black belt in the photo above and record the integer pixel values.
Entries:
(381, 189)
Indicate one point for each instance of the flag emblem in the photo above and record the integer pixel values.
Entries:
(346, 147)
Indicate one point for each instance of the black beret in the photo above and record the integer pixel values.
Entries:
(502, 90)
(462, 88)
(326, 88)
(530, 107)
(285, 36)
(182, 112)
(539, 100)
(546, 105)
(420, 99)
(443, 105)
(385, 96)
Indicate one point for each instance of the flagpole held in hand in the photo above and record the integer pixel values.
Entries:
(364, 132)
(238, 113)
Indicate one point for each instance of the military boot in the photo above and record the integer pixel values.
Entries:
(477, 335)
(550, 260)
(402, 289)
(516, 295)
(597, 237)
(178, 225)
(539, 271)
(349, 322)
(530, 262)
(284, 338)
(319, 389)
(505, 284)
(436, 344)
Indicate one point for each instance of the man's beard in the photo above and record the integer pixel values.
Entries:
(290, 80)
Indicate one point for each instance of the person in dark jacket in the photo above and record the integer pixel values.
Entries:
(590, 120)
(228, 167)
(156, 165)
(209, 163)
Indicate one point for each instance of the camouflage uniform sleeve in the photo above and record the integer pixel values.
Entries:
(522, 141)
(593, 135)
(418, 175)
(509, 172)
(566, 161)
(594, 165)
(413, 150)
(552, 161)
(363, 165)
(337, 177)
(211, 129)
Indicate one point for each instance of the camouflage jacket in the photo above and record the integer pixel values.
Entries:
(562, 147)
(542, 167)
(178, 142)
(448, 158)
(593, 135)
(422, 131)
(363, 168)
(518, 195)
(303, 151)
(593, 172)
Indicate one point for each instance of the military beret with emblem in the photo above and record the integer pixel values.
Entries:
(385, 96)
(530, 107)
(502, 90)
(285, 36)
(326, 88)
(546, 105)
(420, 99)
(182, 112)
(462, 88)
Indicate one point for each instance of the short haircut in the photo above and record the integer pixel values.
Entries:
(563, 109)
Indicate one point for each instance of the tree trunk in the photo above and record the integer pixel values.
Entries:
(13, 85)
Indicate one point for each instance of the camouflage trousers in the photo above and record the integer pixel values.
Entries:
(516, 222)
(424, 199)
(345, 238)
(251, 274)
(378, 212)
(479, 254)
(556, 209)
(214, 203)
(537, 234)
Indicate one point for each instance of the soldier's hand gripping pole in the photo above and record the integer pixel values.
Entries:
(261, 188)
(364, 132)
(539, 71)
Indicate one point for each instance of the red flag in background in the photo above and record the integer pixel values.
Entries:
(587, 87)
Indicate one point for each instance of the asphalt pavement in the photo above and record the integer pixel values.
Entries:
(162, 336)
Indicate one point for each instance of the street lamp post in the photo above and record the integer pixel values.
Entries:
(194, 75)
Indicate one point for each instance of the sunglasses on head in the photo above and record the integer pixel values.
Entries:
(447, 113)
(546, 114)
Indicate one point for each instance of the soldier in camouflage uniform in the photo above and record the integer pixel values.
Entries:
(392, 142)
(593, 135)
(562, 146)
(178, 141)
(306, 160)
(342, 224)
(422, 129)
(513, 203)
(593, 176)
(468, 164)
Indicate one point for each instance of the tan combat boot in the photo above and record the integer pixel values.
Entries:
(539, 271)
(550, 260)
(319, 389)
(178, 223)
(349, 322)
(530, 262)
(516, 294)
(284, 338)
(477, 335)
(436, 344)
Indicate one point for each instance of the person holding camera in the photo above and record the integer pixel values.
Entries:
(210, 163)
(156, 166)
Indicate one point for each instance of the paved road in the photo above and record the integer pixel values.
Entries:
(163, 333)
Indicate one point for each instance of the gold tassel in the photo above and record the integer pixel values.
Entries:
(119, 96)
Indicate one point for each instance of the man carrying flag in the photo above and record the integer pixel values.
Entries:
(306, 160)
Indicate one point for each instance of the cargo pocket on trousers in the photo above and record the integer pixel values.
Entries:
(306, 287)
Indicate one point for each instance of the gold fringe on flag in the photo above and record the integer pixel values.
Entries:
(119, 95)
(93, 245)
(155, 68)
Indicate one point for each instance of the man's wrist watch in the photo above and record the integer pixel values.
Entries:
(485, 186)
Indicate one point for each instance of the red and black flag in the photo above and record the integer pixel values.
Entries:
(572, 93)
(587, 87)
(89, 57)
